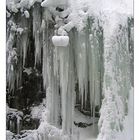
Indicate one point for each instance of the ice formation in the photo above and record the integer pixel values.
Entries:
(96, 69)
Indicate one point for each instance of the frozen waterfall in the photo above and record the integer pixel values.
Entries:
(84, 56)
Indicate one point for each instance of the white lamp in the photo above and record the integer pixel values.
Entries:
(60, 41)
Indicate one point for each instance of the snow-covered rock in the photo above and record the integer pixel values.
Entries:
(20, 30)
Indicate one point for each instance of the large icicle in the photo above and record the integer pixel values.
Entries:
(24, 38)
(11, 54)
(81, 65)
(67, 86)
(37, 22)
(51, 81)
(58, 74)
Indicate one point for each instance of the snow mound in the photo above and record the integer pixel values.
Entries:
(60, 40)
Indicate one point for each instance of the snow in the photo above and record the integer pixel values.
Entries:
(13, 111)
(79, 117)
(38, 111)
(28, 70)
(12, 5)
(16, 5)
(26, 13)
(37, 21)
(9, 135)
(55, 3)
(88, 133)
(20, 30)
(13, 114)
(32, 2)
(60, 40)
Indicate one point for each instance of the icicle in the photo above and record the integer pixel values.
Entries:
(22, 45)
(10, 77)
(37, 21)
(88, 58)
(67, 84)
(81, 64)
(55, 3)
(18, 124)
(58, 71)
(131, 47)
(51, 81)
(95, 63)
(12, 74)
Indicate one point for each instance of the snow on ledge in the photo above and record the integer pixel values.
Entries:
(54, 3)
(60, 40)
